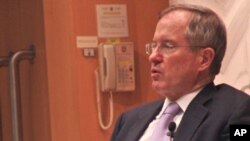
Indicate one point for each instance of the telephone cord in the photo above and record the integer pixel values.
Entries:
(111, 107)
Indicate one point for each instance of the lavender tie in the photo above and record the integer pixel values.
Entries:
(160, 132)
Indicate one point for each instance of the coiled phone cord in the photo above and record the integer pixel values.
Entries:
(99, 109)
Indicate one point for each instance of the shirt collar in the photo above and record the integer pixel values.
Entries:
(183, 102)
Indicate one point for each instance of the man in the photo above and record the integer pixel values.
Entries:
(186, 54)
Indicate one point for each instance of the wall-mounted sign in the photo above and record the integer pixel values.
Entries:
(112, 20)
(86, 41)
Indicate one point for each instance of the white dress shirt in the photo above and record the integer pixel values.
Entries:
(183, 102)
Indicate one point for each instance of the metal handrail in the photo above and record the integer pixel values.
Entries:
(16, 128)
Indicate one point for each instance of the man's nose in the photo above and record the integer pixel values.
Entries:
(155, 56)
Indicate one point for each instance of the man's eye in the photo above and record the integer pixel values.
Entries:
(167, 45)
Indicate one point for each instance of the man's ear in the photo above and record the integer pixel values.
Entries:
(206, 58)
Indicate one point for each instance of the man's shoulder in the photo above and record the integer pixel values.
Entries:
(221, 95)
(228, 95)
(230, 91)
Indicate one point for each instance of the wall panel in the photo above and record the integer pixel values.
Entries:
(22, 25)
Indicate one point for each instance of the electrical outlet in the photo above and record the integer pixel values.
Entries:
(89, 52)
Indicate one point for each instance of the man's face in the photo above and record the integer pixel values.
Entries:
(174, 70)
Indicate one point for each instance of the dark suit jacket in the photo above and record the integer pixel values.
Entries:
(207, 118)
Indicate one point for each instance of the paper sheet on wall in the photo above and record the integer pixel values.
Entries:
(112, 20)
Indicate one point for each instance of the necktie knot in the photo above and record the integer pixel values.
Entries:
(172, 109)
(160, 131)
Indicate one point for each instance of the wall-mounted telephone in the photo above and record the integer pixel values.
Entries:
(116, 63)
(117, 74)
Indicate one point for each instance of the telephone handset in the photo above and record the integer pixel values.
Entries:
(116, 71)
(116, 63)
(107, 67)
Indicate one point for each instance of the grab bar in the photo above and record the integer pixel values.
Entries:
(14, 89)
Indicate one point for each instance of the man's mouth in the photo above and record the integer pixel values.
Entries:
(155, 73)
(155, 70)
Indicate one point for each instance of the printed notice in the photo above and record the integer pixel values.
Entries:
(112, 20)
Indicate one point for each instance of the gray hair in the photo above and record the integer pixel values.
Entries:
(205, 29)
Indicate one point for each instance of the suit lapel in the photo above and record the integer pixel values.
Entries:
(143, 120)
(190, 123)
(195, 114)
